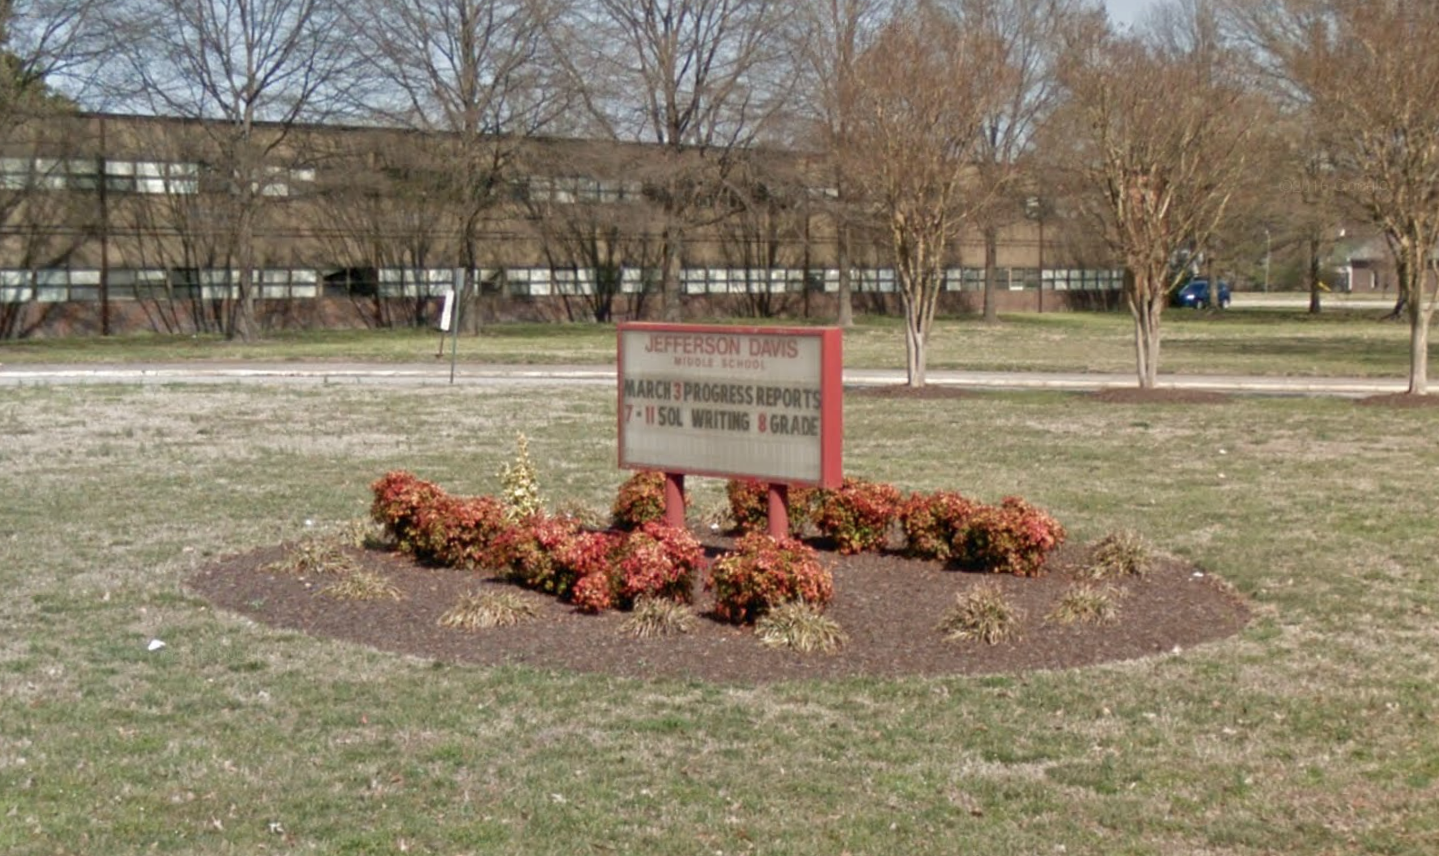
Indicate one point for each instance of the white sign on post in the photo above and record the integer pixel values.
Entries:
(742, 402)
(447, 311)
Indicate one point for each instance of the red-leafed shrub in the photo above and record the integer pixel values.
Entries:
(640, 500)
(749, 505)
(763, 572)
(932, 521)
(1011, 538)
(461, 531)
(659, 561)
(594, 593)
(528, 553)
(590, 559)
(399, 498)
(858, 514)
(434, 526)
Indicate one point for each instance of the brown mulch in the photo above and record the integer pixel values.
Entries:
(1400, 400)
(887, 605)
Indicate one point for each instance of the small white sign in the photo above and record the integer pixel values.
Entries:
(447, 311)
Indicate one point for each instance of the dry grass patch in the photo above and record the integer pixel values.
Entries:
(654, 616)
(488, 609)
(363, 585)
(316, 554)
(1119, 554)
(799, 626)
(1085, 603)
(982, 614)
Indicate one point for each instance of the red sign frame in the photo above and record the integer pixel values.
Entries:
(696, 339)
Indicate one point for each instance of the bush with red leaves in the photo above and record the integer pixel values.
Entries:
(763, 572)
(1011, 538)
(931, 522)
(749, 505)
(858, 514)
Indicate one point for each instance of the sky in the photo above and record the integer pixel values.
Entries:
(1126, 11)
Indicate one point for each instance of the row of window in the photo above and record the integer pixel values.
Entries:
(578, 188)
(131, 176)
(59, 285)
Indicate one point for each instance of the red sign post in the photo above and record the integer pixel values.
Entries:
(733, 402)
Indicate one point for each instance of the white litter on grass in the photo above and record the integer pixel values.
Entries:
(155, 645)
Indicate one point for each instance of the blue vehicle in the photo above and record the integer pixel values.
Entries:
(1195, 294)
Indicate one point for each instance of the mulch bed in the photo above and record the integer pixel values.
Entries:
(888, 606)
(1400, 400)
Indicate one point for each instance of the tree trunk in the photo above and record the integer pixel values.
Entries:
(245, 306)
(991, 274)
(1146, 307)
(846, 293)
(914, 356)
(670, 309)
(1314, 282)
(1418, 348)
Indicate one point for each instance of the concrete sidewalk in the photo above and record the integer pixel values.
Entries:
(438, 373)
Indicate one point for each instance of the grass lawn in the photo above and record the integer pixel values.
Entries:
(1313, 732)
(1240, 341)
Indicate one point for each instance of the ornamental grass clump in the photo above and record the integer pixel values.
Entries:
(1083, 603)
(655, 616)
(363, 585)
(763, 572)
(799, 626)
(479, 611)
(981, 614)
(317, 554)
(858, 514)
(1118, 554)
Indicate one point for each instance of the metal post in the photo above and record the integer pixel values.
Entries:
(675, 500)
(778, 510)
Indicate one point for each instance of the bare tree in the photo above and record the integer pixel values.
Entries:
(1027, 36)
(922, 92)
(1158, 141)
(475, 74)
(698, 78)
(252, 69)
(828, 38)
(1367, 73)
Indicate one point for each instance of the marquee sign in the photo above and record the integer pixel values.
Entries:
(756, 402)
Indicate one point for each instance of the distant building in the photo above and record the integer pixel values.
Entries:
(115, 223)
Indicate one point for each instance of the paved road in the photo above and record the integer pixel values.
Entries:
(438, 373)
